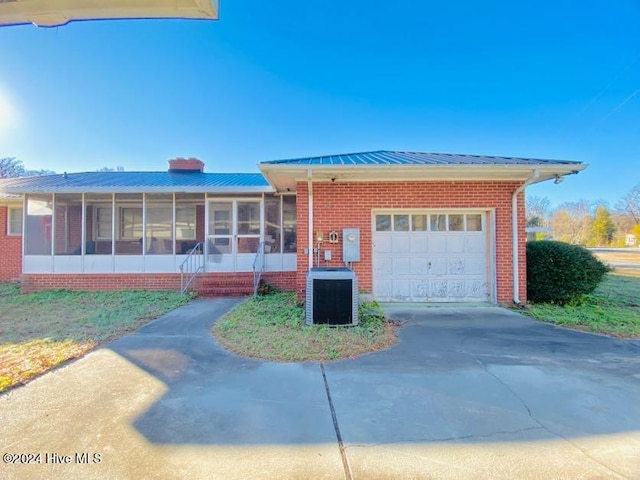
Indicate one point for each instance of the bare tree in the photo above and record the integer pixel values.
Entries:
(630, 203)
(38, 173)
(11, 167)
(538, 211)
(119, 168)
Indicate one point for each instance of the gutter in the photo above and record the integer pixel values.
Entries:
(514, 233)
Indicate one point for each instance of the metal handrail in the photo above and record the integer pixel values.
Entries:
(191, 266)
(258, 267)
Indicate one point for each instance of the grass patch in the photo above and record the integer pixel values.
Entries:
(270, 327)
(39, 331)
(613, 308)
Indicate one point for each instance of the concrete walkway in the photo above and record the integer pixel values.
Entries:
(466, 393)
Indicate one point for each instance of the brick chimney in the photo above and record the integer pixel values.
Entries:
(185, 165)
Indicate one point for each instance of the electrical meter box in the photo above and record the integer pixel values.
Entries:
(350, 244)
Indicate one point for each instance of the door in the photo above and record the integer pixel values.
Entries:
(430, 257)
(235, 230)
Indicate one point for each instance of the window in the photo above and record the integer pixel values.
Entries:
(438, 223)
(456, 223)
(103, 222)
(272, 225)
(38, 228)
(14, 221)
(99, 225)
(185, 222)
(67, 238)
(401, 223)
(129, 223)
(189, 230)
(419, 223)
(159, 228)
(474, 223)
(248, 218)
(383, 223)
(289, 223)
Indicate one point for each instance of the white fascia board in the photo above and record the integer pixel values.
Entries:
(279, 175)
(50, 13)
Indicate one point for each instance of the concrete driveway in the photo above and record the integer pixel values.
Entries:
(466, 393)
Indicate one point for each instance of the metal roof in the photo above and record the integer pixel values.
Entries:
(386, 157)
(138, 182)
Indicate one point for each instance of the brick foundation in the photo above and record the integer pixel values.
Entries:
(146, 281)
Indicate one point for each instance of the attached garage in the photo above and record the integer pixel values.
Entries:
(431, 256)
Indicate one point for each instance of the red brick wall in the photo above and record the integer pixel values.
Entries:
(100, 281)
(340, 205)
(10, 250)
(132, 281)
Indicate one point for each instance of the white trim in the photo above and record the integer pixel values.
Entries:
(282, 176)
(10, 208)
(515, 247)
(492, 232)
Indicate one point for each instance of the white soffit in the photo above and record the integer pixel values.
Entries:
(50, 13)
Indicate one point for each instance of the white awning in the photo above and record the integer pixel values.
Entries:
(49, 13)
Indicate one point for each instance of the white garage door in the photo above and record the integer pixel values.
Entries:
(430, 257)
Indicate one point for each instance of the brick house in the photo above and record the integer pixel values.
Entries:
(429, 227)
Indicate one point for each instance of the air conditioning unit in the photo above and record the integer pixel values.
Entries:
(332, 296)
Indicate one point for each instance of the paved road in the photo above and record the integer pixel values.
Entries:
(466, 393)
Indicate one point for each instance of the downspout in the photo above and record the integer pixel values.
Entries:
(514, 234)
(310, 219)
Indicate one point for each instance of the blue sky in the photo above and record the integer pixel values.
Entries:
(271, 80)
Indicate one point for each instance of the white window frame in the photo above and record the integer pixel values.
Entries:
(10, 217)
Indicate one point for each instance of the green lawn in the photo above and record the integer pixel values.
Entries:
(613, 308)
(270, 327)
(41, 330)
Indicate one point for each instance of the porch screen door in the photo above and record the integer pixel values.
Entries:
(234, 234)
(220, 247)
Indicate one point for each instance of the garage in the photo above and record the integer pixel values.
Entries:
(430, 256)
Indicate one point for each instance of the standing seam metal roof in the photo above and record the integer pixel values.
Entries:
(137, 180)
(386, 157)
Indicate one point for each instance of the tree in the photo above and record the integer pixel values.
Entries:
(624, 225)
(119, 168)
(38, 173)
(11, 167)
(571, 222)
(602, 228)
(537, 211)
(630, 203)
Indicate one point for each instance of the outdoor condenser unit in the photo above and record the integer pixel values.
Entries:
(332, 296)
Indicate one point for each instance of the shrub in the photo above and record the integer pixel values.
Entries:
(265, 288)
(561, 273)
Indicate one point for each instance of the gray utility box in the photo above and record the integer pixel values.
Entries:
(350, 244)
(332, 296)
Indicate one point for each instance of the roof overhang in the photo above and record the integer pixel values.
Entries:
(49, 13)
(17, 191)
(10, 199)
(284, 177)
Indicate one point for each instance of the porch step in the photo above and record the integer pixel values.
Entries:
(225, 292)
(229, 286)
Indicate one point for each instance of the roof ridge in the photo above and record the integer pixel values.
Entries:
(287, 160)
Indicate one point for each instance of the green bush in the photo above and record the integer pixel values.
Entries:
(561, 273)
